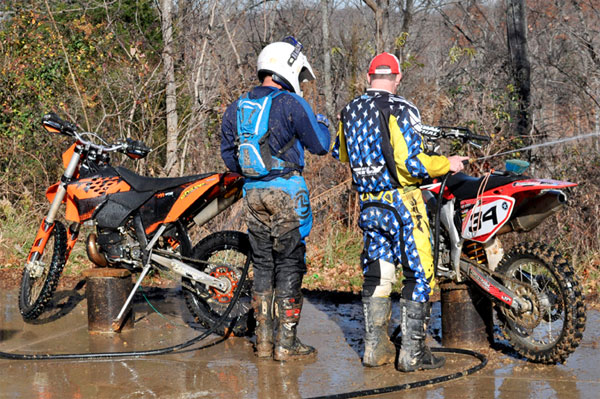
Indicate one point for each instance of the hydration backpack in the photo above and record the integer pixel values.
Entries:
(254, 153)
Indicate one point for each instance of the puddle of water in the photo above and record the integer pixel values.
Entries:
(333, 324)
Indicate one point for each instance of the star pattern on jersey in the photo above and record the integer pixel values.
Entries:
(364, 145)
(387, 238)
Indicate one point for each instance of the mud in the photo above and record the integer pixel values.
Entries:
(228, 369)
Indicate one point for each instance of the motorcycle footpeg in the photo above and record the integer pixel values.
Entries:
(440, 273)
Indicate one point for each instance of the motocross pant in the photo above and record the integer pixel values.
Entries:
(396, 231)
(279, 217)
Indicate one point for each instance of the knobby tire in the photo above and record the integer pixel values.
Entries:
(569, 299)
(31, 308)
(205, 309)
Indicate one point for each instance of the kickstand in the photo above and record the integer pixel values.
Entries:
(118, 322)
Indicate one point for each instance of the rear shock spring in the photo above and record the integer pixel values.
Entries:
(475, 251)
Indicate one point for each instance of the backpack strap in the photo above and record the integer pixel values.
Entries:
(286, 147)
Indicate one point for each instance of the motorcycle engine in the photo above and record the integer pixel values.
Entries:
(111, 246)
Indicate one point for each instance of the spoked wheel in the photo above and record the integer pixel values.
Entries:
(40, 278)
(552, 324)
(223, 255)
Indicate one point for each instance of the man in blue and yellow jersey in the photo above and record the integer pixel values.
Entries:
(379, 135)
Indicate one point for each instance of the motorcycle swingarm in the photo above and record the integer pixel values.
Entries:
(179, 268)
(189, 272)
(493, 287)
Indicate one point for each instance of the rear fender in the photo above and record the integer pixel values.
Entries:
(533, 211)
(203, 199)
(190, 195)
(532, 185)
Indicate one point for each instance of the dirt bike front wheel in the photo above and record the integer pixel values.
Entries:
(550, 330)
(38, 287)
(222, 255)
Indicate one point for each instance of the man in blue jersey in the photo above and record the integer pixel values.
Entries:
(278, 212)
(379, 135)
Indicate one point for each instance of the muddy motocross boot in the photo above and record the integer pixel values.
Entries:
(414, 354)
(287, 345)
(262, 302)
(379, 350)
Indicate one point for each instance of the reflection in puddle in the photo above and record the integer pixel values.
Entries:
(331, 323)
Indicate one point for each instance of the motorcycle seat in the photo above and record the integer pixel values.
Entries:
(155, 184)
(463, 186)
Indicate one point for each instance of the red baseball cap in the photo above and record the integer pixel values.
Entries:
(384, 64)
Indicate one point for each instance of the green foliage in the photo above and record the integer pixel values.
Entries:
(82, 66)
(401, 40)
(411, 62)
(457, 52)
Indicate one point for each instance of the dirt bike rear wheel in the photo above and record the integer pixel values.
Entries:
(36, 291)
(553, 328)
(222, 255)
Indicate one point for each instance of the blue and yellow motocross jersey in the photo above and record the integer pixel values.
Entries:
(379, 134)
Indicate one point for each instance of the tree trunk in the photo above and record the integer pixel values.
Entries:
(516, 32)
(327, 60)
(172, 161)
(407, 15)
(382, 16)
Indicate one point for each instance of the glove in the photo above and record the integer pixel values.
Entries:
(136, 149)
(323, 120)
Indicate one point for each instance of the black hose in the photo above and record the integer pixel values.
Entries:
(416, 384)
(438, 210)
(152, 352)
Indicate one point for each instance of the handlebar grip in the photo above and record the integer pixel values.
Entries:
(136, 149)
(479, 137)
(55, 124)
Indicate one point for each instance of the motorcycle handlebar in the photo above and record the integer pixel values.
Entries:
(462, 132)
(132, 148)
(452, 132)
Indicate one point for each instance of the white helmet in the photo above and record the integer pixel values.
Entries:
(286, 63)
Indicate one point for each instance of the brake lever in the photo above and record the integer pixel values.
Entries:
(474, 144)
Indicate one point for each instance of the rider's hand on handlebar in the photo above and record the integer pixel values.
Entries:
(457, 163)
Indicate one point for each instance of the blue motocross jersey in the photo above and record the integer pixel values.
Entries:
(290, 118)
(379, 135)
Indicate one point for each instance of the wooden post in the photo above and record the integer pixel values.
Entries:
(106, 291)
(467, 319)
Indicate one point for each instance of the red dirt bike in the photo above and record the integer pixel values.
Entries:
(537, 294)
(140, 223)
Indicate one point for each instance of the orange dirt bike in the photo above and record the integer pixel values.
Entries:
(140, 223)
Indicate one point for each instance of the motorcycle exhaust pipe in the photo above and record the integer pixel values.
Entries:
(534, 211)
(93, 251)
(215, 207)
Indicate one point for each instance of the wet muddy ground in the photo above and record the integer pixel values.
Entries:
(228, 369)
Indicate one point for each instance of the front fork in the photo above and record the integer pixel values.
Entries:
(45, 230)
